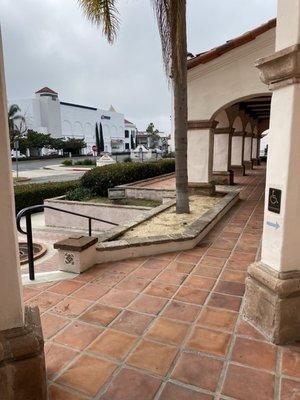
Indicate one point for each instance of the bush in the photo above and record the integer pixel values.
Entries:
(80, 194)
(127, 159)
(86, 161)
(36, 193)
(67, 163)
(100, 179)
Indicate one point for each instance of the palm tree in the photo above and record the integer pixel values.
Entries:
(171, 17)
(15, 122)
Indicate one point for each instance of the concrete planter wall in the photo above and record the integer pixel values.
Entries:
(119, 214)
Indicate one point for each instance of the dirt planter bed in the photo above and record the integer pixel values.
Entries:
(113, 245)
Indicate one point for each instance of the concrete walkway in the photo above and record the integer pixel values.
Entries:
(167, 327)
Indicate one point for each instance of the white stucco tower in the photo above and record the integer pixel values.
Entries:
(50, 114)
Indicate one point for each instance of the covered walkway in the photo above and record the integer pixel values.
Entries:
(167, 327)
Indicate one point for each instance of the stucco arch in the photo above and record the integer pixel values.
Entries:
(217, 84)
(248, 127)
(222, 118)
(238, 124)
(66, 128)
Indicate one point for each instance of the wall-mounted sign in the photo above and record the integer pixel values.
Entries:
(274, 202)
(105, 117)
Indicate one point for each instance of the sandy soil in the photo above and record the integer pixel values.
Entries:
(169, 222)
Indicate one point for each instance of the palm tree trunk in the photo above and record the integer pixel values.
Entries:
(179, 75)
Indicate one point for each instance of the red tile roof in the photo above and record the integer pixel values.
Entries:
(216, 52)
(46, 90)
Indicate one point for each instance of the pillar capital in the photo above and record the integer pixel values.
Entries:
(226, 130)
(280, 69)
(238, 133)
(202, 124)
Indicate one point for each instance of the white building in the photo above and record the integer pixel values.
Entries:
(47, 114)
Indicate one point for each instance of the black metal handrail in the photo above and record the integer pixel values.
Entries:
(28, 211)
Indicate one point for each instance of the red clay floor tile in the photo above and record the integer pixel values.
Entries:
(132, 322)
(118, 298)
(153, 357)
(248, 384)
(148, 304)
(176, 392)
(132, 385)
(254, 354)
(100, 314)
(51, 324)
(56, 357)
(87, 374)
(181, 311)
(198, 370)
(168, 331)
(209, 341)
(113, 344)
(291, 361)
(217, 318)
(78, 335)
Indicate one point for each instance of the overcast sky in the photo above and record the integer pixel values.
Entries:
(50, 43)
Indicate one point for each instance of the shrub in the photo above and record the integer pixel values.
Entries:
(67, 163)
(86, 161)
(100, 179)
(127, 159)
(80, 194)
(36, 193)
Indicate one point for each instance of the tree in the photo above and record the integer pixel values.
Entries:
(171, 17)
(97, 140)
(74, 146)
(132, 144)
(16, 123)
(101, 141)
(153, 136)
(56, 143)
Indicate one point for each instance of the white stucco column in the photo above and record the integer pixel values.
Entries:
(248, 151)
(254, 148)
(273, 289)
(11, 302)
(200, 155)
(237, 153)
(222, 156)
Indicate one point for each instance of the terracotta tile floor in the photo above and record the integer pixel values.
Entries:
(167, 327)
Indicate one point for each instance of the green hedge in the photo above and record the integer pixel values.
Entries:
(100, 179)
(36, 193)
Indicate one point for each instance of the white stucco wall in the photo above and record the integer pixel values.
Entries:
(221, 144)
(199, 143)
(236, 150)
(248, 149)
(61, 119)
(228, 78)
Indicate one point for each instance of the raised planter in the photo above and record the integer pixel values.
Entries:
(112, 247)
(119, 214)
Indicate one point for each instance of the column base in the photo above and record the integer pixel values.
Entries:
(22, 361)
(248, 164)
(238, 170)
(272, 303)
(202, 188)
(223, 177)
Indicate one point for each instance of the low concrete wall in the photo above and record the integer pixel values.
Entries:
(140, 189)
(119, 214)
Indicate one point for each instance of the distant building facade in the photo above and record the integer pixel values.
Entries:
(47, 114)
(158, 140)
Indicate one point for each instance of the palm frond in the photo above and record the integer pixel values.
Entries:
(13, 110)
(102, 13)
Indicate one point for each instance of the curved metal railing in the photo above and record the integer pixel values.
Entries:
(28, 211)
